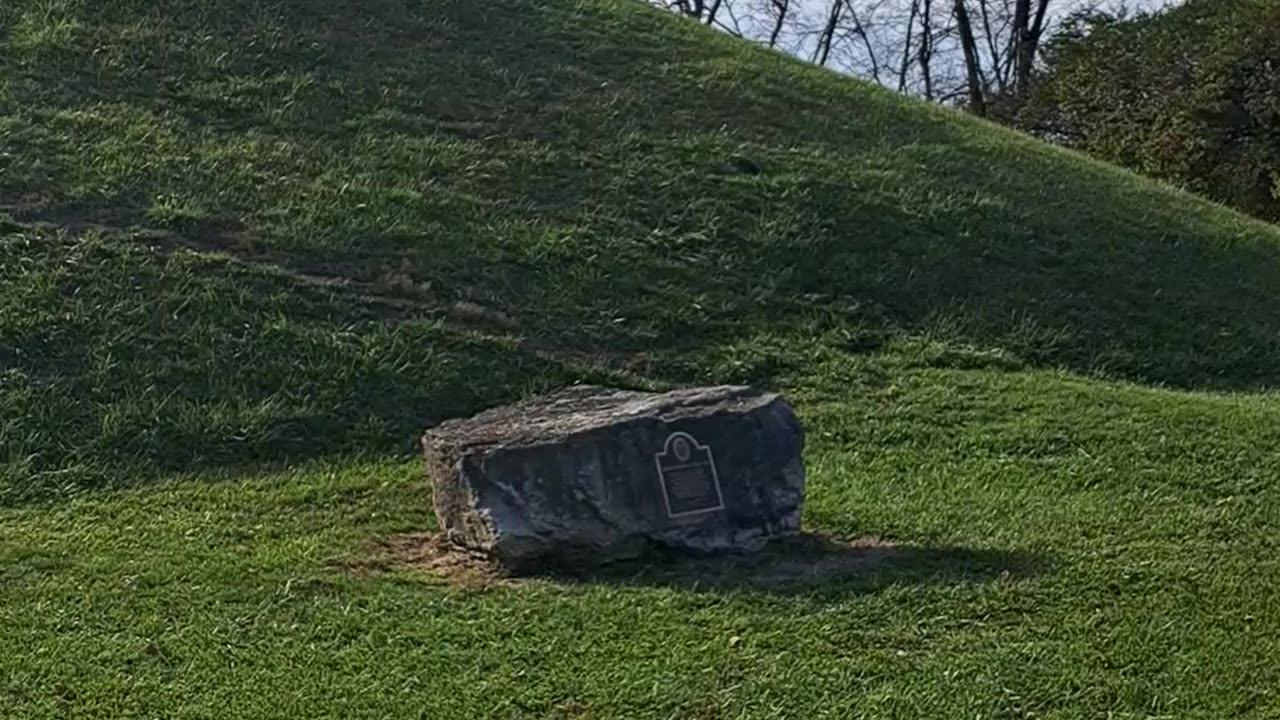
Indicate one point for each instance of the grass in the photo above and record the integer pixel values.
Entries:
(249, 250)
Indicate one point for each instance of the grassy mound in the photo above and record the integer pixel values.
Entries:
(249, 250)
(272, 231)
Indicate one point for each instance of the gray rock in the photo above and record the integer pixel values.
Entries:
(590, 475)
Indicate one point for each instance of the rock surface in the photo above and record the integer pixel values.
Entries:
(589, 475)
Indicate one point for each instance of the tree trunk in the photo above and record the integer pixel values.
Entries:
(1029, 47)
(861, 31)
(926, 48)
(977, 95)
(1019, 40)
(828, 33)
(782, 6)
(711, 14)
(906, 46)
(1000, 62)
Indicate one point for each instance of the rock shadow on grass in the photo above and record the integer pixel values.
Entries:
(804, 564)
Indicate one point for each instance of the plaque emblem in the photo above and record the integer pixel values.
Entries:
(687, 475)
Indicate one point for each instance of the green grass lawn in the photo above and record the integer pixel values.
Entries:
(249, 250)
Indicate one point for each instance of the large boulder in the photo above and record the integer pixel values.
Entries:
(589, 475)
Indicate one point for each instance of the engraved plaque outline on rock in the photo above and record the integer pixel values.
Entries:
(687, 476)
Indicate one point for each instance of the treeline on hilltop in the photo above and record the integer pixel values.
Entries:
(1190, 95)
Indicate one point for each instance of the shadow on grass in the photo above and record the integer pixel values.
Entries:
(808, 564)
(811, 564)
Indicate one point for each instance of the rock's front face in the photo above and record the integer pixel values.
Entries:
(589, 475)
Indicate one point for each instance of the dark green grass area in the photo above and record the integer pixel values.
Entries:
(250, 250)
(120, 354)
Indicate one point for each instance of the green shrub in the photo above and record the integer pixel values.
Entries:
(1191, 96)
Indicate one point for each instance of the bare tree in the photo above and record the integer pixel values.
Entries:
(925, 56)
(976, 83)
(976, 52)
(823, 50)
(1012, 31)
(905, 65)
(781, 7)
(860, 32)
(1029, 44)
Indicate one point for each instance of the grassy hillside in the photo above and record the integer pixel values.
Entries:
(249, 250)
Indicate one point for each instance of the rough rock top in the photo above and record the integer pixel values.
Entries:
(582, 408)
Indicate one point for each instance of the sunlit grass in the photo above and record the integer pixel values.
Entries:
(250, 250)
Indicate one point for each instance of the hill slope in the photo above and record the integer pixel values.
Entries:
(353, 192)
(249, 250)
